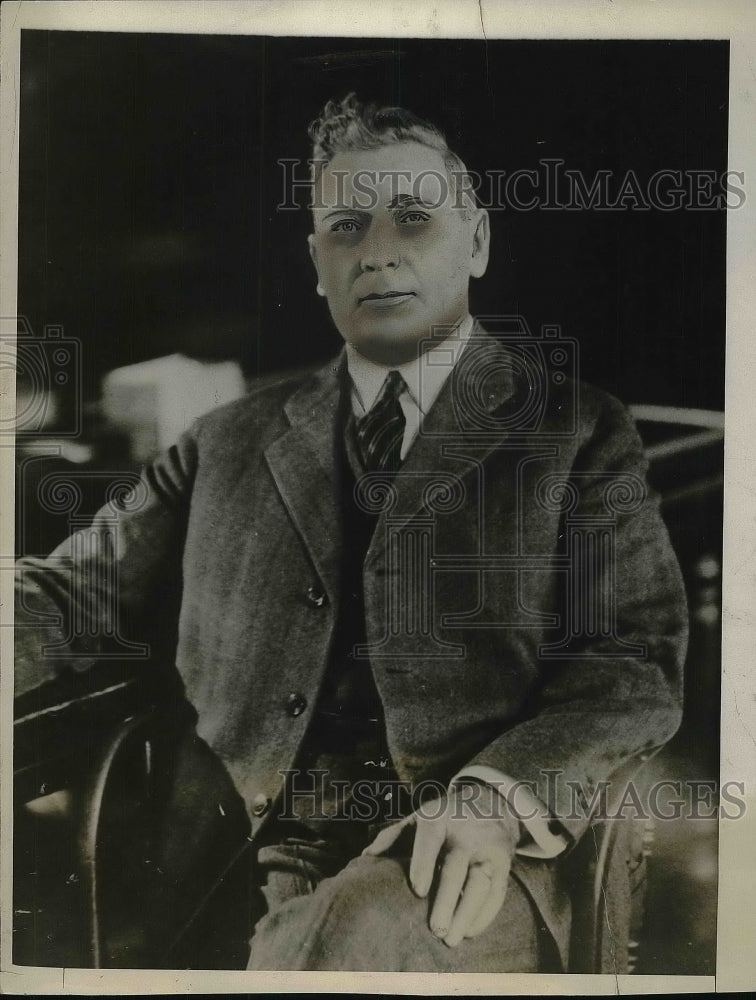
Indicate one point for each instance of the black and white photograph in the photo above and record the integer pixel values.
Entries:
(367, 503)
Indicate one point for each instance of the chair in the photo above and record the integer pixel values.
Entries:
(143, 903)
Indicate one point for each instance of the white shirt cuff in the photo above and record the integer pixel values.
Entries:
(541, 842)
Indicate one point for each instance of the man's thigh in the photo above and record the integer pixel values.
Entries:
(366, 918)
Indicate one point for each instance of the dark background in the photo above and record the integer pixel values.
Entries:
(149, 185)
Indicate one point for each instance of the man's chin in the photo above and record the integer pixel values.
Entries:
(387, 348)
(389, 343)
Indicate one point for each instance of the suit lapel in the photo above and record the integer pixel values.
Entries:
(305, 469)
(466, 422)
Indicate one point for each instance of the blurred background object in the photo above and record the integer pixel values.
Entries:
(155, 401)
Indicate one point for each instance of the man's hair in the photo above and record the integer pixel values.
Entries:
(348, 124)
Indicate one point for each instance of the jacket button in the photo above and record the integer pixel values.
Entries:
(260, 804)
(296, 704)
(316, 597)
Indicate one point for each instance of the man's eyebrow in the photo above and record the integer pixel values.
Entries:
(398, 201)
(402, 200)
(340, 209)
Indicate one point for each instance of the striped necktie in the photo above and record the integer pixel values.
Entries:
(381, 431)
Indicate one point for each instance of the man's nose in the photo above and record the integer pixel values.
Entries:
(379, 253)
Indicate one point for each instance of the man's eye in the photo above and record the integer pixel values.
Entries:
(414, 217)
(345, 226)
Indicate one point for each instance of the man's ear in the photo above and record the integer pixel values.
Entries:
(314, 258)
(481, 241)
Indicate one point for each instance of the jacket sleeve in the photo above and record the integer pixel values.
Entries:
(610, 696)
(106, 588)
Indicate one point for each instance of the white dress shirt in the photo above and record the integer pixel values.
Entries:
(424, 378)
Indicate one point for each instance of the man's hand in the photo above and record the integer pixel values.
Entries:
(473, 839)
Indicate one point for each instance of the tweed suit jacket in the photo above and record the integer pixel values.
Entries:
(546, 627)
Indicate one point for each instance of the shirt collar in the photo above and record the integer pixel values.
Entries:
(424, 376)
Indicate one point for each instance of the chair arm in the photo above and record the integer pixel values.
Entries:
(135, 728)
(593, 865)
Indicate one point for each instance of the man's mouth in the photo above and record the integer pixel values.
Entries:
(385, 296)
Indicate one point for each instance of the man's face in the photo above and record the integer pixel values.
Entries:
(394, 249)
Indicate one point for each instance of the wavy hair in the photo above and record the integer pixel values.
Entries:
(349, 124)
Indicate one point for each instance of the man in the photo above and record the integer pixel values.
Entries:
(429, 570)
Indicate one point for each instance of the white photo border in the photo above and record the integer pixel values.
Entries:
(622, 19)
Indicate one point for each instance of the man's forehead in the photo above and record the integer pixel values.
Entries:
(387, 177)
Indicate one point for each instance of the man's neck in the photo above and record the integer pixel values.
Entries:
(439, 336)
(424, 374)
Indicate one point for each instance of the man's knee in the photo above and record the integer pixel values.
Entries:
(345, 914)
(372, 899)
(371, 895)
(368, 917)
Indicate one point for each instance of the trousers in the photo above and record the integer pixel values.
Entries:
(328, 913)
